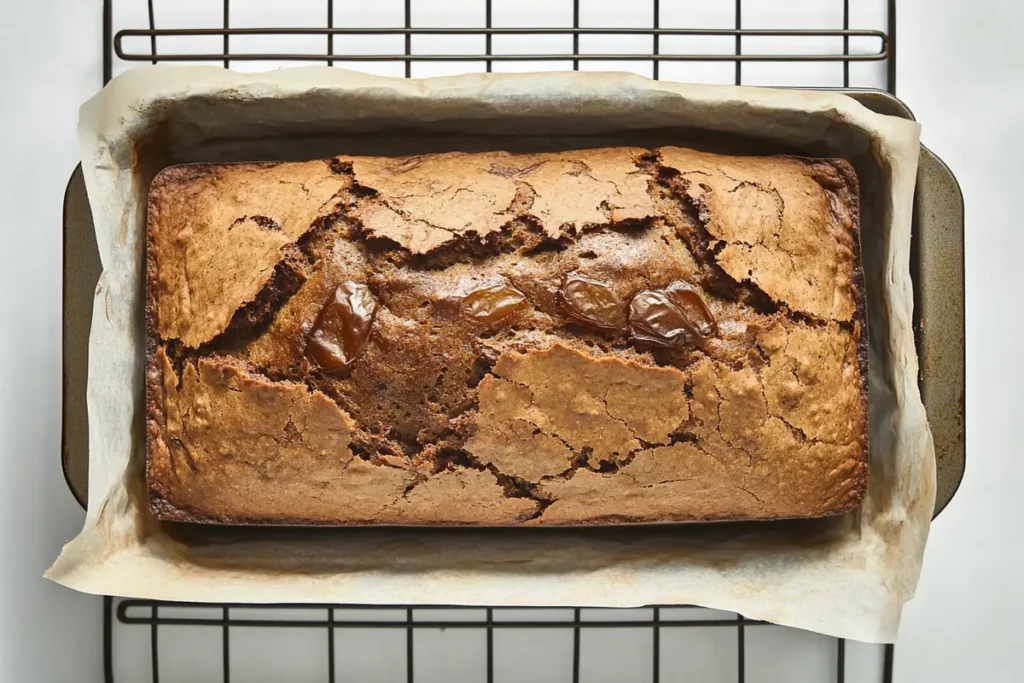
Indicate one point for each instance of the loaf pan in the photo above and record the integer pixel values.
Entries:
(937, 271)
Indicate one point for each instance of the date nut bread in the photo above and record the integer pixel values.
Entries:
(586, 337)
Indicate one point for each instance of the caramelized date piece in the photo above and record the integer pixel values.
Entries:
(673, 317)
(656, 319)
(696, 311)
(495, 303)
(591, 303)
(339, 335)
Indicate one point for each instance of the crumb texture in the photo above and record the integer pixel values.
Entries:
(481, 356)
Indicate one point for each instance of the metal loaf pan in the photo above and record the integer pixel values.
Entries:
(937, 271)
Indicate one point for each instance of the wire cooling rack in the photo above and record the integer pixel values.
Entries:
(820, 43)
(738, 38)
(427, 644)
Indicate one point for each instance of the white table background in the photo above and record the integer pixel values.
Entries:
(961, 70)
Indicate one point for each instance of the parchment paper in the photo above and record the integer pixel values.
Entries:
(847, 576)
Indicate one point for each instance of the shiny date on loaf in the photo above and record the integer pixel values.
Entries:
(591, 303)
(493, 304)
(342, 327)
(672, 317)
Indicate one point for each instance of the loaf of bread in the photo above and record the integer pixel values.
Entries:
(598, 336)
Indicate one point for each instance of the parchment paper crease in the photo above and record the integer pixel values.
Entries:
(846, 577)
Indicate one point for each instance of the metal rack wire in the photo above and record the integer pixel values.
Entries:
(114, 44)
(124, 45)
(223, 618)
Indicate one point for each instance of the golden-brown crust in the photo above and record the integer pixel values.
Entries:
(766, 217)
(424, 202)
(201, 215)
(445, 420)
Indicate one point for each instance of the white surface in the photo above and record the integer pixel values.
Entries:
(49, 62)
(960, 70)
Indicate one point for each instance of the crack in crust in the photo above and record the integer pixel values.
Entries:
(559, 424)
